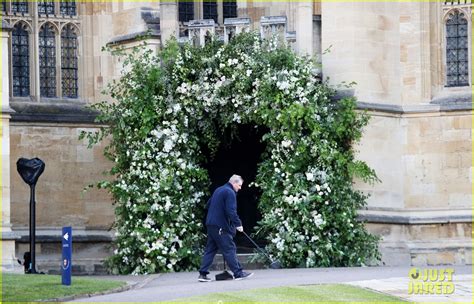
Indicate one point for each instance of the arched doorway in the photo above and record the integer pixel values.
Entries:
(240, 155)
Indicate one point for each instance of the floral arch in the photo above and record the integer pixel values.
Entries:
(171, 105)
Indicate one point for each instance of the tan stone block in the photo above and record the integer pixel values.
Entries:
(418, 259)
(101, 215)
(414, 201)
(456, 135)
(460, 200)
(440, 258)
(466, 160)
(464, 122)
(452, 161)
(84, 154)
(409, 80)
(405, 19)
(457, 185)
(8, 255)
(421, 188)
(429, 231)
(458, 146)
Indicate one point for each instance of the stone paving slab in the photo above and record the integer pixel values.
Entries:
(399, 287)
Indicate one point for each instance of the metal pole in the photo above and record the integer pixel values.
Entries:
(32, 230)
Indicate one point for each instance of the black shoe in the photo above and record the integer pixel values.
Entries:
(243, 275)
(203, 278)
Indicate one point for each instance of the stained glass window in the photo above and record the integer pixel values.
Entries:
(3, 5)
(19, 6)
(186, 11)
(68, 7)
(20, 61)
(210, 10)
(47, 57)
(69, 62)
(230, 9)
(46, 7)
(457, 60)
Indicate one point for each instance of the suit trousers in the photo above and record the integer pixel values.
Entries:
(219, 240)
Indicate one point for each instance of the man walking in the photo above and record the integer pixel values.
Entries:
(222, 223)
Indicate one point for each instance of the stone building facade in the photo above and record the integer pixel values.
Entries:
(411, 63)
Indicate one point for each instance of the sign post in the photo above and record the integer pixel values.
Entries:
(66, 264)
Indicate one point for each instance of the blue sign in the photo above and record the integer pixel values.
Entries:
(66, 264)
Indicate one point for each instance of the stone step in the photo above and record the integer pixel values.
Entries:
(90, 266)
(245, 260)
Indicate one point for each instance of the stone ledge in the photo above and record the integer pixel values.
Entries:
(9, 236)
(6, 27)
(7, 110)
(135, 37)
(72, 112)
(439, 245)
(54, 235)
(416, 216)
(415, 109)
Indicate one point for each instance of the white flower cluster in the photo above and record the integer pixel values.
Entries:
(160, 181)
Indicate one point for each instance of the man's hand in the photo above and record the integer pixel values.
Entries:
(240, 229)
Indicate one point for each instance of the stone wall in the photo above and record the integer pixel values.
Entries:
(60, 199)
(8, 238)
(70, 167)
(422, 206)
(419, 139)
(423, 160)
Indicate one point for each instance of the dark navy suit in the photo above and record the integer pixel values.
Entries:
(221, 222)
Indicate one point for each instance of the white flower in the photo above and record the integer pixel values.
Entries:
(283, 85)
(309, 176)
(248, 73)
(168, 145)
(236, 117)
(176, 107)
(286, 143)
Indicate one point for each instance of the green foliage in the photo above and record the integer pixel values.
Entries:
(171, 105)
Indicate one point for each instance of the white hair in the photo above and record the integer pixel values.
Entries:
(236, 179)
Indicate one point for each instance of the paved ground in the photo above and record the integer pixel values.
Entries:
(399, 287)
(391, 280)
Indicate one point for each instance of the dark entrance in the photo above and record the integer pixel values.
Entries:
(240, 155)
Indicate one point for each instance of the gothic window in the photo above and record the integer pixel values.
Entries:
(68, 7)
(19, 6)
(20, 61)
(57, 48)
(210, 10)
(69, 62)
(457, 60)
(46, 7)
(230, 9)
(186, 11)
(47, 57)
